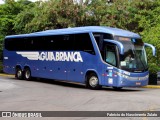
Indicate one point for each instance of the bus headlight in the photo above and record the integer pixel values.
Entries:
(132, 78)
(122, 75)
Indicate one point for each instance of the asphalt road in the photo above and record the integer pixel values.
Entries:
(49, 95)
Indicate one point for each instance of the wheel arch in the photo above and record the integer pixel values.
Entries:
(22, 67)
(19, 66)
(27, 66)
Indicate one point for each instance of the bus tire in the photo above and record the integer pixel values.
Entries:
(93, 82)
(27, 74)
(19, 73)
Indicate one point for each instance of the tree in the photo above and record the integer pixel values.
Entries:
(8, 13)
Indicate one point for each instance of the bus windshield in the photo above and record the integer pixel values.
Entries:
(134, 58)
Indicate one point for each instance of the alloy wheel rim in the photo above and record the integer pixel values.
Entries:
(93, 81)
(27, 74)
(19, 74)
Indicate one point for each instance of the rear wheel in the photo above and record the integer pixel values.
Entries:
(93, 82)
(27, 74)
(19, 73)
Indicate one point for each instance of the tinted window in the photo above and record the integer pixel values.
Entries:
(60, 42)
(99, 37)
(24, 44)
(78, 42)
(83, 43)
(14, 44)
(33, 43)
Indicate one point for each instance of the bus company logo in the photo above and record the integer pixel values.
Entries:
(51, 56)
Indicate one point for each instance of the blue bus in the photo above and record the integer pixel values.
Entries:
(93, 55)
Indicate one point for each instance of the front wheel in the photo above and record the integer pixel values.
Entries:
(27, 74)
(93, 82)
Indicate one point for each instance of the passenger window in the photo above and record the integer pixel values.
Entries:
(110, 55)
(83, 42)
(99, 37)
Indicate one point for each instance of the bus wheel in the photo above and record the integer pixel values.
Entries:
(19, 73)
(27, 74)
(93, 82)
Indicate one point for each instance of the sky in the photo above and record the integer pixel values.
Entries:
(1, 2)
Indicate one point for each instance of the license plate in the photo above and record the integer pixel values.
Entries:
(138, 83)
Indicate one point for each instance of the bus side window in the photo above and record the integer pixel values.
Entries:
(83, 42)
(68, 41)
(53, 42)
(59, 42)
(33, 43)
(99, 39)
(14, 44)
(110, 54)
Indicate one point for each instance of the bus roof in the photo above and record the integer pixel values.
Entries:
(86, 29)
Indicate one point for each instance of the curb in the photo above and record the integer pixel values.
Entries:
(148, 86)
(6, 75)
(152, 86)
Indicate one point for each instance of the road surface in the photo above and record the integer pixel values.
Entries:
(49, 95)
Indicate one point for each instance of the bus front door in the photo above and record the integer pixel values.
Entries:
(111, 59)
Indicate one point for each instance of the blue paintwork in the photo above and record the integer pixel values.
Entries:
(134, 79)
(87, 29)
(76, 71)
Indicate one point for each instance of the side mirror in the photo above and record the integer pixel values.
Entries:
(151, 46)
